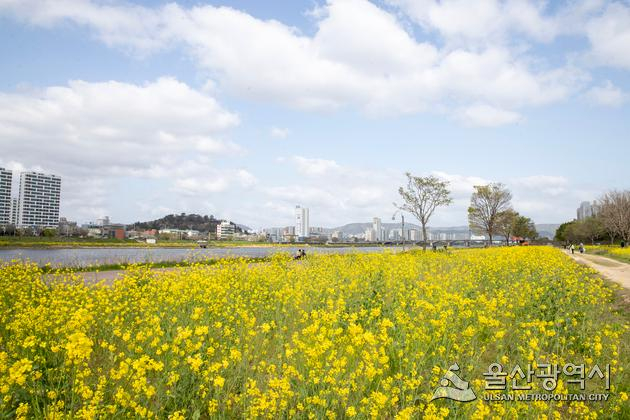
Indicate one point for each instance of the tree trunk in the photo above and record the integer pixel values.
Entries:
(424, 236)
(490, 240)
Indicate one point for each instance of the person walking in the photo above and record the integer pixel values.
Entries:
(572, 248)
(581, 248)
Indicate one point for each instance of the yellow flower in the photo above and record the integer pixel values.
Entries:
(219, 381)
(78, 347)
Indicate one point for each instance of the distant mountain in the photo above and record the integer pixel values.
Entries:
(547, 230)
(186, 221)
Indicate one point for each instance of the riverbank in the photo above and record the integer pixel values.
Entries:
(66, 243)
(100, 256)
(9, 242)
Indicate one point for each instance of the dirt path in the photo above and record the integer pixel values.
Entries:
(613, 270)
(93, 277)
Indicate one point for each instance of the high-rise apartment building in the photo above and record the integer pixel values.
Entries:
(38, 200)
(14, 211)
(301, 222)
(378, 229)
(587, 210)
(6, 179)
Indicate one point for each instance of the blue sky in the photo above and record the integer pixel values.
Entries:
(245, 109)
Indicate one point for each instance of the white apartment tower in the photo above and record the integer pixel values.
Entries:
(301, 222)
(587, 210)
(378, 229)
(6, 178)
(14, 211)
(38, 201)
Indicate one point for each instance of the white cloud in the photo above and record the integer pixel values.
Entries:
(359, 56)
(279, 133)
(606, 94)
(87, 132)
(481, 21)
(112, 127)
(487, 116)
(609, 35)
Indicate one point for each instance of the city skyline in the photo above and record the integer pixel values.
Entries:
(184, 114)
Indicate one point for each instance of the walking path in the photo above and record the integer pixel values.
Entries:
(613, 270)
(107, 276)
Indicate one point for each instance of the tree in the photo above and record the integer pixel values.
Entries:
(486, 205)
(563, 231)
(591, 228)
(422, 196)
(506, 224)
(614, 212)
(525, 228)
(49, 232)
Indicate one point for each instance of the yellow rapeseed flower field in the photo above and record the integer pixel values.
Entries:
(333, 336)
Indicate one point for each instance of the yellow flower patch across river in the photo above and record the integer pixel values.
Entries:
(332, 336)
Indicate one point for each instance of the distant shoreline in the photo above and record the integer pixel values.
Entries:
(60, 246)
(110, 245)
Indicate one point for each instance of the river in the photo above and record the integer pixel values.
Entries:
(82, 257)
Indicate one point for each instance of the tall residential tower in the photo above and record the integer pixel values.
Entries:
(301, 222)
(38, 202)
(6, 178)
(378, 229)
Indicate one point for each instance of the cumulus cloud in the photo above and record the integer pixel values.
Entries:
(467, 22)
(606, 94)
(360, 55)
(112, 127)
(100, 131)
